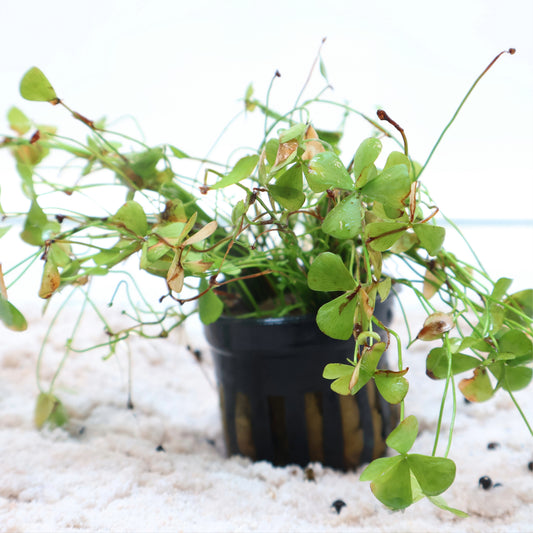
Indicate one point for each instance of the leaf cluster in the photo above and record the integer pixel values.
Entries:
(290, 228)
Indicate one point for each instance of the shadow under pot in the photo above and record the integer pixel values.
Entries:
(277, 407)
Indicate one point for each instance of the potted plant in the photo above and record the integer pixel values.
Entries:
(290, 230)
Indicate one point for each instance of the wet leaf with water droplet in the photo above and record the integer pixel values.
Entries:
(326, 171)
(344, 220)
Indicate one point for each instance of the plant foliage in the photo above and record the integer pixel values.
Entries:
(292, 227)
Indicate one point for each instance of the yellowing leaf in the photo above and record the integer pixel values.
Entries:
(432, 283)
(35, 86)
(49, 409)
(50, 280)
(18, 121)
(477, 388)
(384, 288)
(197, 267)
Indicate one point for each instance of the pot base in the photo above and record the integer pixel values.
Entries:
(275, 404)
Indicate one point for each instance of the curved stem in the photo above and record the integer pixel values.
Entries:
(463, 101)
(443, 400)
(45, 341)
(524, 418)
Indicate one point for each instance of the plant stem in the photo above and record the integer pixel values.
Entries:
(524, 418)
(400, 366)
(463, 101)
(69, 340)
(45, 341)
(449, 378)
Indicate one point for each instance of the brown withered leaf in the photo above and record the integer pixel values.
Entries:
(202, 233)
(285, 150)
(176, 274)
(198, 266)
(312, 146)
(365, 304)
(82, 280)
(435, 326)
(355, 375)
(390, 373)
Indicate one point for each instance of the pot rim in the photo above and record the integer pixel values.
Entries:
(266, 321)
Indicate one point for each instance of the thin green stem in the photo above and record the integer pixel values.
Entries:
(31, 258)
(463, 101)
(400, 367)
(317, 57)
(217, 140)
(267, 99)
(404, 315)
(69, 340)
(359, 113)
(443, 399)
(517, 405)
(45, 340)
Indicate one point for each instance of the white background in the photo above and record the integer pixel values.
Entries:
(181, 69)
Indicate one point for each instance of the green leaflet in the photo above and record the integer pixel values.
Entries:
(328, 273)
(391, 187)
(403, 436)
(35, 86)
(209, 305)
(242, 169)
(382, 235)
(11, 316)
(437, 363)
(326, 171)
(132, 217)
(366, 154)
(431, 237)
(336, 318)
(344, 221)
(392, 385)
(288, 189)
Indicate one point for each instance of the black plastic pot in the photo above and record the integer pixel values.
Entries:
(275, 404)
